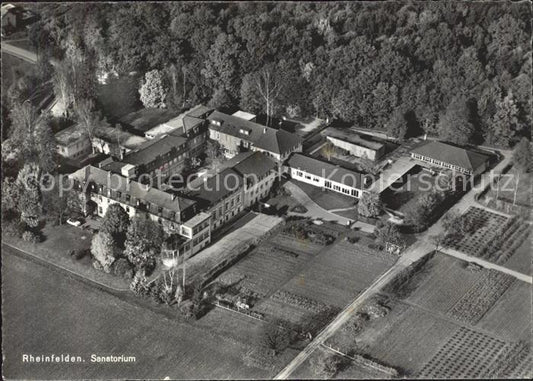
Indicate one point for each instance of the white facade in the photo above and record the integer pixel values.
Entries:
(453, 167)
(78, 149)
(322, 182)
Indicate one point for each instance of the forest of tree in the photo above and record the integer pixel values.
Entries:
(459, 70)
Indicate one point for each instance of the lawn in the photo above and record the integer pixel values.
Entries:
(119, 97)
(507, 188)
(405, 193)
(521, 259)
(13, 68)
(59, 241)
(45, 312)
(325, 198)
(146, 118)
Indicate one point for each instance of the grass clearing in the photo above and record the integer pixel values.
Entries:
(325, 198)
(405, 193)
(80, 320)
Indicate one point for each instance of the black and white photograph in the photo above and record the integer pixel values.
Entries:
(273, 190)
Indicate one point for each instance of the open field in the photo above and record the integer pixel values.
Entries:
(521, 259)
(325, 198)
(45, 312)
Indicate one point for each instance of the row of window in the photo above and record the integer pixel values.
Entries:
(439, 163)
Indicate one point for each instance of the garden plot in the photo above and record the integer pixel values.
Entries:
(467, 354)
(445, 280)
(406, 340)
(510, 317)
(270, 265)
(496, 239)
(479, 299)
(339, 274)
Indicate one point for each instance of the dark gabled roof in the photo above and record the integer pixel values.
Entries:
(133, 188)
(251, 163)
(265, 138)
(200, 111)
(450, 154)
(150, 150)
(218, 187)
(323, 169)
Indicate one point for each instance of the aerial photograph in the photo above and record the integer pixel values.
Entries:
(248, 190)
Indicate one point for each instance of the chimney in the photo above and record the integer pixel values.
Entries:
(264, 130)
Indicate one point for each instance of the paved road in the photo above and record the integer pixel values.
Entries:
(22, 53)
(486, 264)
(423, 246)
(313, 209)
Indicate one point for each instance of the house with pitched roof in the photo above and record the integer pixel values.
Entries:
(241, 182)
(236, 135)
(73, 143)
(451, 157)
(325, 175)
(180, 214)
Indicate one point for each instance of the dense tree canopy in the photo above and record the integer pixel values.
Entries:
(396, 66)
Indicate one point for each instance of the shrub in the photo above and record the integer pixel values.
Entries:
(123, 268)
(14, 228)
(326, 366)
(29, 236)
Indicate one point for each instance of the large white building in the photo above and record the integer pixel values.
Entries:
(325, 175)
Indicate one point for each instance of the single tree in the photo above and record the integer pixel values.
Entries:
(454, 125)
(153, 90)
(103, 250)
(369, 205)
(214, 153)
(504, 123)
(262, 90)
(143, 242)
(274, 337)
(326, 365)
(388, 233)
(87, 118)
(115, 223)
(30, 200)
(328, 150)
